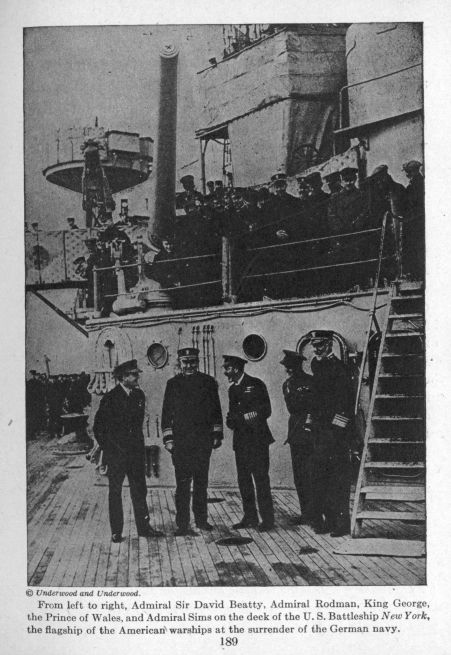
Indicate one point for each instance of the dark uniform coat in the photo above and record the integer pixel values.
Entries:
(332, 413)
(298, 394)
(191, 418)
(414, 228)
(118, 431)
(251, 439)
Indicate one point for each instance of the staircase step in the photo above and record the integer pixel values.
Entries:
(403, 355)
(396, 492)
(401, 375)
(397, 395)
(404, 333)
(397, 418)
(394, 465)
(398, 317)
(391, 516)
(413, 296)
(396, 441)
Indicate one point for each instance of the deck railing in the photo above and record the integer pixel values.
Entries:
(313, 266)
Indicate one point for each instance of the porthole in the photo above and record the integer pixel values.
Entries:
(254, 347)
(157, 354)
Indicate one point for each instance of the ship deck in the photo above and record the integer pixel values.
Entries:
(69, 541)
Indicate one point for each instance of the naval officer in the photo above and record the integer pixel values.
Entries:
(249, 409)
(331, 422)
(118, 431)
(191, 421)
(298, 394)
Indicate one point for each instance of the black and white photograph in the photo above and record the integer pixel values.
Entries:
(224, 292)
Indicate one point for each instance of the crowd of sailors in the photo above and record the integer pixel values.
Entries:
(296, 237)
(49, 397)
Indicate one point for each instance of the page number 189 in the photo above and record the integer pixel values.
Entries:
(229, 641)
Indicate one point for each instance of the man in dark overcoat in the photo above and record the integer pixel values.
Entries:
(330, 424)
(414, 224)
(118, 431)
(191, 421)
(249, 409)
(298, 394)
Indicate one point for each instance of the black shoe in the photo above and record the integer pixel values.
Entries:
(320, 527)
(116, 538)
(340, 532)
(148, 531)
(204, 526)
(244, 523)
(185, 532)
(342, 528)
(265, 527)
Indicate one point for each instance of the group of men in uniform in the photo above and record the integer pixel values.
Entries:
(48, 397)
(325, 228)
(320, 409)
(319, 429)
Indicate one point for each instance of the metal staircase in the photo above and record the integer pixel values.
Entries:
(391, 481)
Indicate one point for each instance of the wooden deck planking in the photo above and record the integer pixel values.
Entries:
(227, 573)
(173, 570)
(62, 537)
(352, 573)
(154, 555)
(43, 537)
(183, 553)
(280, 556)
(122, 570)
(86, 572)
(249, 551)
(234, 508)
(82, 540)
(232, 573)
(319, 563)
(70, 544)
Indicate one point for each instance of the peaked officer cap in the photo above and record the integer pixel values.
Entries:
(186, 178)
(233, 358)
(382, 168)
(412, 165)
(321, 335)
(349, 171)
(292, 358)
(126, 367)
(192, 353)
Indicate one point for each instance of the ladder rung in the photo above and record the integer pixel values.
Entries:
(397, 418)
(394, 465)
(395, 441)
(404, 333)
(412, 297)
(397, 492)
(401, 375)
(392, 516)
(403, 355)
(398, 317)
(397, 395)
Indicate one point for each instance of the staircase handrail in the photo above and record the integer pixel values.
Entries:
(372, 313)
